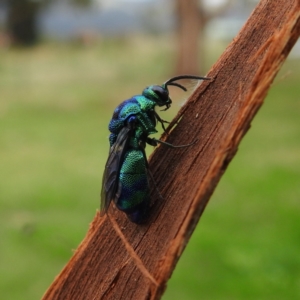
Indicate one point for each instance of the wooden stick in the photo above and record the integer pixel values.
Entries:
(121, 260)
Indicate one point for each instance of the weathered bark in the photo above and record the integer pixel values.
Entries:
(120, 260)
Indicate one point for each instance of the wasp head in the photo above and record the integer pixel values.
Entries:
(158, 94)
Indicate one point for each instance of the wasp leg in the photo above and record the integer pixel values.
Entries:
(161, 121)
(155, 142)
(154, 183)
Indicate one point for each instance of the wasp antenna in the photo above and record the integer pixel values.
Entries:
(185, 77)
(178, 85)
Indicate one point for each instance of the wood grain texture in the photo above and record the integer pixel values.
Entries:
(121, 260)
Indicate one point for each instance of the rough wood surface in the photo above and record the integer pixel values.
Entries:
(120, 260)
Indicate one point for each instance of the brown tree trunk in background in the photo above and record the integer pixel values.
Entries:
(21, 22)
(192, 19)
(188, 35)
(121, 260)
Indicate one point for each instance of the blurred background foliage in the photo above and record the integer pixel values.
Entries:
(58, 90)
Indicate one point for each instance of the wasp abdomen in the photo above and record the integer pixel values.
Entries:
(134, 189)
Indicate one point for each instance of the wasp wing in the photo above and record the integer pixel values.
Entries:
(110, 179)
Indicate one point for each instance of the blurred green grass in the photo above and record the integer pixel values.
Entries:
(56, 101)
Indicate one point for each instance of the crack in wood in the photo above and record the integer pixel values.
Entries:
(113, 281)
(132, 252)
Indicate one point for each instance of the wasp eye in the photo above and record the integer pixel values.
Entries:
(161, 93)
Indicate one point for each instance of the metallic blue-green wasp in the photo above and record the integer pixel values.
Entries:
(125, 180)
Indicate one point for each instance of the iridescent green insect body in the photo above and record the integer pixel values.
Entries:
(125, 178)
